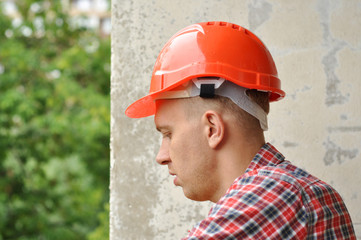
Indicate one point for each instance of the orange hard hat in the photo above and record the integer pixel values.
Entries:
(217, 49)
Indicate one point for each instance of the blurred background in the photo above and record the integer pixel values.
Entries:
(54, 119)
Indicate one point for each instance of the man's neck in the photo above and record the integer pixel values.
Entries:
(234, 161)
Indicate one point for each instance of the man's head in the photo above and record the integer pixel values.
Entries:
(210, 93)
(201, 138)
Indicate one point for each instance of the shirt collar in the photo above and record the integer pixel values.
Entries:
(268, 155)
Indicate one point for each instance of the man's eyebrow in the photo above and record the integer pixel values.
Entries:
(162, 128)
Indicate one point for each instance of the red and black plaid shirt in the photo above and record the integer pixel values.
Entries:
(276, 200)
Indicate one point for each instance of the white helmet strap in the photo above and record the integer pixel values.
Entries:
(208, 87)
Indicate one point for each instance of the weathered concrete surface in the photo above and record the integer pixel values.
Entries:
(317, 49)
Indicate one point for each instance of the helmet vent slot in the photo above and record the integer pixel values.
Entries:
(235, 26)
(225, 24)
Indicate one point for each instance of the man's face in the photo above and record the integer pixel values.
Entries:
(184, 149)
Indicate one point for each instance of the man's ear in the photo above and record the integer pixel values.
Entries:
(214, 128)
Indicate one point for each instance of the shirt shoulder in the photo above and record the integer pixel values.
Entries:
(276, 200)
(256, 207)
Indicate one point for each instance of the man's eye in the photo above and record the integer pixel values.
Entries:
(166, 135)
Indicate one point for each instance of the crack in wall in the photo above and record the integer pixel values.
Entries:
(335, 153)
(329, 61)
(344, 129)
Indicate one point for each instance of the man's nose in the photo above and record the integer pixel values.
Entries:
(163, 157)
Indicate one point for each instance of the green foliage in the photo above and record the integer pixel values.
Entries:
(54, 126)
(102, 231)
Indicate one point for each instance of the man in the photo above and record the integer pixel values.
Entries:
(210, 93)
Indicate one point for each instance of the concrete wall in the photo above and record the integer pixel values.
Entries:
(317, 49)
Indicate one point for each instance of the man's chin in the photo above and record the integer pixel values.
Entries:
(194, 197)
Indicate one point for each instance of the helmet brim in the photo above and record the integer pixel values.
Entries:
(143, 107)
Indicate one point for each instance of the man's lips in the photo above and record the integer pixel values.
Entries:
(175, 181)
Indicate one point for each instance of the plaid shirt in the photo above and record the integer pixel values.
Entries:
(276, 200)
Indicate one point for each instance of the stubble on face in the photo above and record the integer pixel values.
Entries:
(190, 158)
